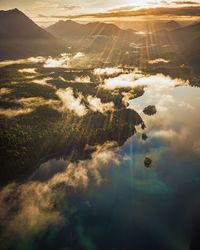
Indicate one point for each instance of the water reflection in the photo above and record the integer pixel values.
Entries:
(112, 201)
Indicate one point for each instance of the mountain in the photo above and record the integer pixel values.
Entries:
(169, 25)
(187, 33)
(93, 36)
(180, 44)
(65, 29)
(21, 37)
(180, 35)
(15, 25)
(188, 40)
(70, 29)
(192, 52)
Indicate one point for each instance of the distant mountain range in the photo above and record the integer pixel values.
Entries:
(70, 29)
(170, 25)
(93, 36)
(192, 52)
(21, 37)
(187, 33)
(179, 36)
(183, 41)
(150, 25)
(188, 39)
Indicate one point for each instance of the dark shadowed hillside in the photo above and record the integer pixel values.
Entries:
(184, 42)
(14, 24)
(187, 33)
(179, 35)
(21, 37)
(192, 51)
(188, 40)
(173, 25)
(170, 25)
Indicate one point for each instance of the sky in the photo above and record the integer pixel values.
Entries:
(45, 12)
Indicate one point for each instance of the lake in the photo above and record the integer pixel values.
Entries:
(112, 201)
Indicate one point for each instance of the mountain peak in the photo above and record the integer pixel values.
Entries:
(15, 10)
(11, 11)
(62, 22)
(69, 21)
(14, 24)
(172, 21)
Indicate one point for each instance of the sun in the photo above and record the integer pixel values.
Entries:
(146, 3)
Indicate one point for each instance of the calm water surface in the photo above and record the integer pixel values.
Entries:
(135, 207)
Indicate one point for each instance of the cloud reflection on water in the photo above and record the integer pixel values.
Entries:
(29, 209)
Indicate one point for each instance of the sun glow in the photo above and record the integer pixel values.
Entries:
(137, 4)
(146, 3)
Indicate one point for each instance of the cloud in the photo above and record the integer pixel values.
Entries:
(136, 45)
(43, 81)
(160, 82)
(156, 89)
(71, 7)
(61, 62)
(38, 59)
(180, 136)
(160, 11)
(75, 104)
(66, 61)
(186, 105)
(137, 78)
(127, 96)
(96, 105)
(4, 91)
(158, 60)
(29, 105)
(15, 112)
(72, 103)
(122, 81)
(80, 175)
(28, 210)
(28, 70)
(108, 71)
(28, 213)
(166, 134)
(83, 79)
(33, 102)
(122, 8)
(186, 3)
(78, 55)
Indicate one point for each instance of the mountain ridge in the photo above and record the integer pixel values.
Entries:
(11, 23)
(63, 29)
(21, 37)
